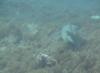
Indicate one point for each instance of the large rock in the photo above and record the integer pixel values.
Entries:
(71, 36)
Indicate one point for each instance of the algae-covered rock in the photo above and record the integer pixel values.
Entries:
(70, 34)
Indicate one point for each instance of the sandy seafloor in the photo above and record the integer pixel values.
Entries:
(30, 27)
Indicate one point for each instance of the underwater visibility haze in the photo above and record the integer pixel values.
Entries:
(49, 36)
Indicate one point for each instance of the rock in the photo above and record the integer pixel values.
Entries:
(95, 17)
(71, 36)
(43, 60)
(69, 32)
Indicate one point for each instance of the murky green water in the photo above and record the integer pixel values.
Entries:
(37, 36)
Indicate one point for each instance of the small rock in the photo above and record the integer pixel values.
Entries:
(95, 17)
(43, 60)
